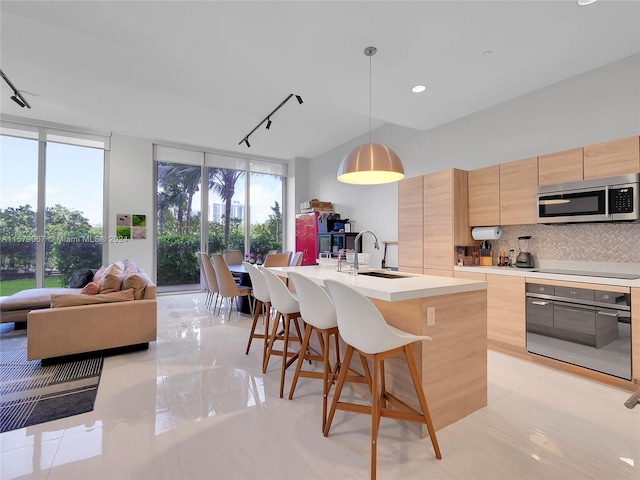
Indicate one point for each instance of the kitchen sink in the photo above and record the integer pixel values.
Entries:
(384, 274)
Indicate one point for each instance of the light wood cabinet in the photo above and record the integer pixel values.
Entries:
(445, 223)
(561, 167)
(410, 221)
(635, 333)
(518, 182)
(618, 157)
(506, 311)
(481, 277)
(484, 196)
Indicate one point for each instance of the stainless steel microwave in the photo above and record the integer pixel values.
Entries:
(612, 199)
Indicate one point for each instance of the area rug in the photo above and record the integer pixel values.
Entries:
(31, 393)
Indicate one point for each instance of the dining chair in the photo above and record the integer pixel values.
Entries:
(227, 285)
(260, 291)
(204, 279)
(296, 259)
(319, 315)
(210, 275)
(277, 260)
(287, 309)
(233, 257)
(364, 330)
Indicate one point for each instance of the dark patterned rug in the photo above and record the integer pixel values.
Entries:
(31, 393)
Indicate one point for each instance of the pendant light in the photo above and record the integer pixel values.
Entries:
(372, 163)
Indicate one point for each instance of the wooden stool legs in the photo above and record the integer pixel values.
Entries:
(380, 397)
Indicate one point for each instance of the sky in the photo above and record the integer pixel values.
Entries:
(74, 179)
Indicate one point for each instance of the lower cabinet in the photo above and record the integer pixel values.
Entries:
(635, 333)
(506, 312)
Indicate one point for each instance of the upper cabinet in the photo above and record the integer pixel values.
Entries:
(484, 196)
(608, 159)
(518, 182)
(560, 167)
(410, 234)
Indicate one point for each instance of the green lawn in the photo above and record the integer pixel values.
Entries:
(9, 287)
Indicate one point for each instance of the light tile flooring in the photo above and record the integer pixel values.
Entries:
(194, 406)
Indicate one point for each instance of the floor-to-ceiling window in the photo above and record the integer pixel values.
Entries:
(242, 201)
(51, 205)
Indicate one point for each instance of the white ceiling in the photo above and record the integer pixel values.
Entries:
(205, 73)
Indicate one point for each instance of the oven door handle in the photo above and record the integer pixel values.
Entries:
(608, 314)
(538, 302)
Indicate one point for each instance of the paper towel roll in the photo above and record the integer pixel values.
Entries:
(486, 233)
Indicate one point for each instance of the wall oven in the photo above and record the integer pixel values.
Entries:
(584, 327)
(613, 199)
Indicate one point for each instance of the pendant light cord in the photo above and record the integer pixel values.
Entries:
(370, 98)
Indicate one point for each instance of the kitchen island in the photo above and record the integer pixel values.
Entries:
(453, 312)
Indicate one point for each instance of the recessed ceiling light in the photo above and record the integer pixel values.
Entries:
(486, 53)
(586, 2)
(418, 89)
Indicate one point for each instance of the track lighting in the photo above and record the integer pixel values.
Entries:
(16, 97)
(268, 119)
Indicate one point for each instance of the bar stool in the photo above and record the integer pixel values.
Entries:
(319, 315)
(364, 329)
(287, 308)
(260, 291)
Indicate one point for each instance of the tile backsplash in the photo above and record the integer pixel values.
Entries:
(595, 242)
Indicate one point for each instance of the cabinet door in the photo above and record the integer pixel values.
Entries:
(484, 196)
(307, 237)
(506, 310)
(635, 333)
(608, 159)
(518, 182)
(438, 220)
(560, 167)
(410, 234)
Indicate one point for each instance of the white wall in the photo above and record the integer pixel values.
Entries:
(600, 105)
(131, 187)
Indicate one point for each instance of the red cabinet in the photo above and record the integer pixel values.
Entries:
(307, 237)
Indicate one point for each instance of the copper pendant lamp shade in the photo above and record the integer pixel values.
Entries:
(371, 163)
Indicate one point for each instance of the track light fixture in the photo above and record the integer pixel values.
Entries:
(268, 118)
(16, 97)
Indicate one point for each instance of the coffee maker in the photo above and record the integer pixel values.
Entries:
(524, 258)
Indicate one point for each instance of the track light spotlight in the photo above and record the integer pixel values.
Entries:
(17, 96)
(299, 99)
(18, 101)
(246, 140)
(268, 123)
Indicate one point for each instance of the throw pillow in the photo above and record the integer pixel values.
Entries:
(111, 282)
(90, 288)
(137, 282)
(99, 274)
(80, 278)
(72, 300)
(130, 266)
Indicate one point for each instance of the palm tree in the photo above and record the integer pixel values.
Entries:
(181, 177)
(223, 182)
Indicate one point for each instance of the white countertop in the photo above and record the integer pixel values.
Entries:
(532, 273)
(409, 287)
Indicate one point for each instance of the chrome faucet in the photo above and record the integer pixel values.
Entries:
(356, 267)
(340, 253)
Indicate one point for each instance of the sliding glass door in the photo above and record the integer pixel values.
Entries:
(51, 209)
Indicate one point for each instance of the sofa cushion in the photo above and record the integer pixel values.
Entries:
(130, 266)
(33, 298)
(97, 277)
(137, 282)
(80, 278)
(65, 300)
(111, 282)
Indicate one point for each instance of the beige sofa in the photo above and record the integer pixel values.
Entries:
(78, 324)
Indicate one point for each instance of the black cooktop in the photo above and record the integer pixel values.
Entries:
(624, 276)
